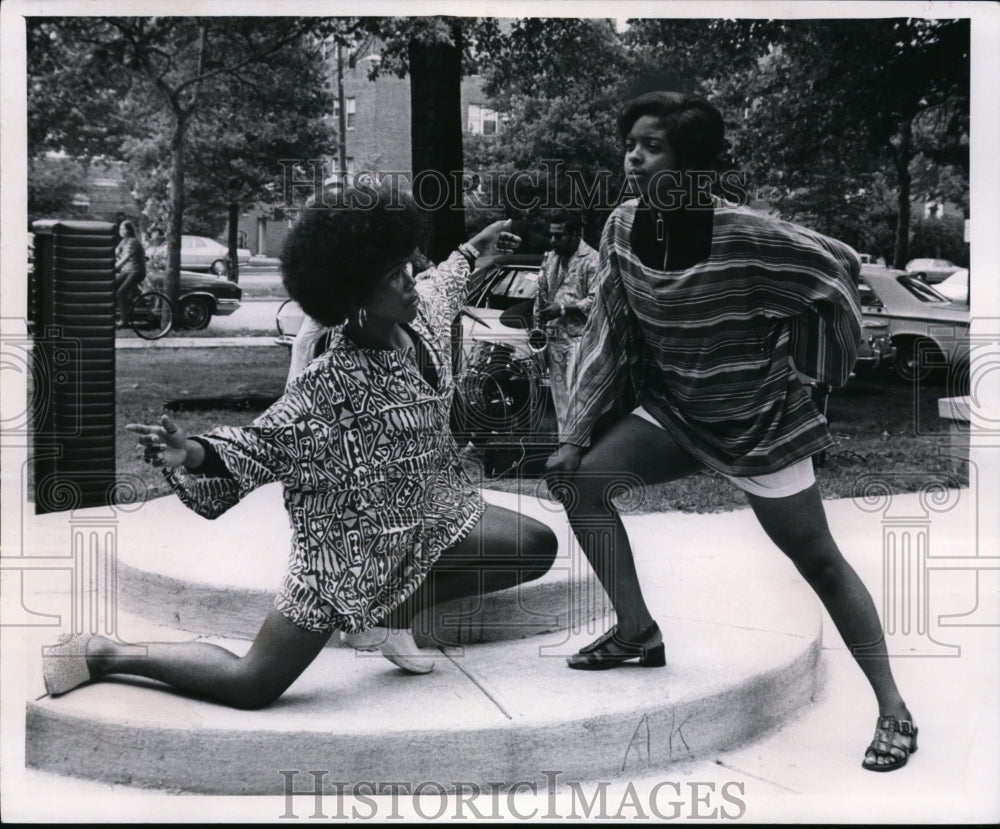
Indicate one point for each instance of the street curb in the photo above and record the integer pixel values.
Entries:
(197, 342)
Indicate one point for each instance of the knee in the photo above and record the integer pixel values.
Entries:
(539, 548)
(255, 701)
(583, 492)
(820, 563)
(250, 691)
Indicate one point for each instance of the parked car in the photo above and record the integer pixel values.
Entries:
(496, 321)
(199, 253)
(934, 270)
(875, 351)
(929, 332)
(499, 305)
(956, 286)
(504, 396)
(201, 297)
(504, 288)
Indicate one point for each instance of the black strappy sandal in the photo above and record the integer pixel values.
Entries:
(610, 651)
(882, 744)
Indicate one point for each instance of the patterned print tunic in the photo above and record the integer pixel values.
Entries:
(372, 482)
(711, 351)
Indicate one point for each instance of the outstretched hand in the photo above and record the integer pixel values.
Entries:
(560, 465)
(496, 238)
(164, 445)
(564, 460)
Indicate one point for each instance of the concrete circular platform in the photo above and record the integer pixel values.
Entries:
(219, 577)
(742, 635)
(495, 713)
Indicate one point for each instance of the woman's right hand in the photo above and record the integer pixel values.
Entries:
(560, 465)
(496, 238)
(564, 460)
(164, 445)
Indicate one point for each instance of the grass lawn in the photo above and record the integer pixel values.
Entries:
(148, 378)
(882, 427)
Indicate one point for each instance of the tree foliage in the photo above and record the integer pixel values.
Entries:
(557, 109)
(852, 99)
(558, 147)
(235, 143)
(53, 186)
(840, 124)
(694, 56)
(145, 88)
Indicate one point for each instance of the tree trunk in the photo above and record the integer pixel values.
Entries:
(903, 156)
(177, 144)
(234, 221)
(436, 132)
(341, 121)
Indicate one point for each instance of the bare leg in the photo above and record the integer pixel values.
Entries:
(632, 453)
(503, 550)
(279, 654)
(797, 524)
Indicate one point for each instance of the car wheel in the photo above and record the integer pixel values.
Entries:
(219, 267)
(917, 358)
(195, 313)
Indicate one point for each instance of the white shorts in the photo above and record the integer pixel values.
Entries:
(788, 481)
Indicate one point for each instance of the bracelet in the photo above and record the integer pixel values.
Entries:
(469, 251)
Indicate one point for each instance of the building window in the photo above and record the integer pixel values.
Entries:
(483, 120)
(349, 104)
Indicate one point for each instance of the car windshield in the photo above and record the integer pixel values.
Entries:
(520, 284)
(921, 290)
(502, 286)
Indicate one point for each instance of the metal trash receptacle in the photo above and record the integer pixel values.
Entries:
(73, 374)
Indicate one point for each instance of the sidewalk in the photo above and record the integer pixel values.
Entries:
(807, 769)
(195, 342)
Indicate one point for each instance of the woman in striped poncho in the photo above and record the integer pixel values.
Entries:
(709, 314)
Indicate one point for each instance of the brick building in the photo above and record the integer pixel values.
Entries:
(377, 140)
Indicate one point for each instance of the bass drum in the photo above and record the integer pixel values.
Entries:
(500, 395)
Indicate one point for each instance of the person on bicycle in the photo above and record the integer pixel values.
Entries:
(130, 269)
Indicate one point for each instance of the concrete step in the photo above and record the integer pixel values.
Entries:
(734, 615)
(742, 635)
(499, 712)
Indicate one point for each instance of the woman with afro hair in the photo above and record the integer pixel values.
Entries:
(385, 521)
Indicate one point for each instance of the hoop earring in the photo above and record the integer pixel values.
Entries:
(362, 317)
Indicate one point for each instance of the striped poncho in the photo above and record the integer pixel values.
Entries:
(714, 351)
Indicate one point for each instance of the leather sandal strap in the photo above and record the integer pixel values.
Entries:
(904, 727)
(883, 745)
(600, 642)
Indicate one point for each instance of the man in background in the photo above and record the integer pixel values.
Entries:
(566, 289)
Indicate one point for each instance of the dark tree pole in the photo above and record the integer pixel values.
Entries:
(436, 134)
(233, 210)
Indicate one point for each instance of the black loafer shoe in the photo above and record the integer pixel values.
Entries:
(610, 651)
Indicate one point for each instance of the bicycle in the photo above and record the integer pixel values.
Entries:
(151, 314)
